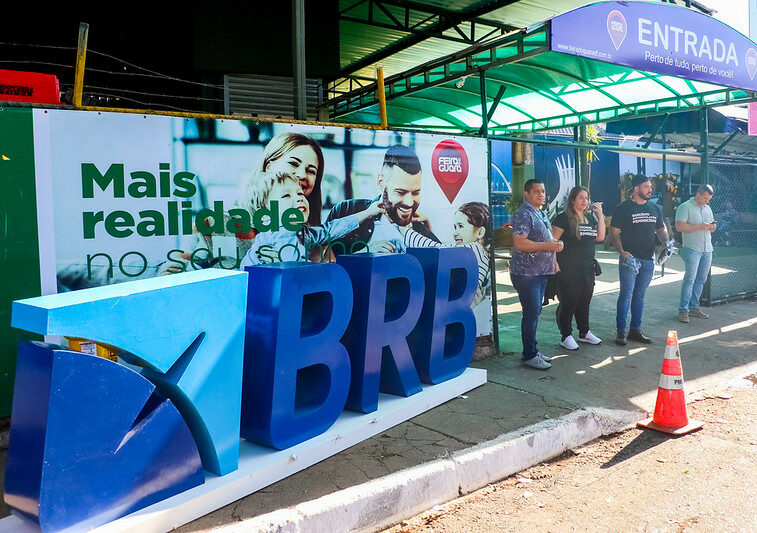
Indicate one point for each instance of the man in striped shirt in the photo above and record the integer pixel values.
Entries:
(533, 261)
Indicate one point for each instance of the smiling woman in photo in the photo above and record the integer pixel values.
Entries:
(298, 155)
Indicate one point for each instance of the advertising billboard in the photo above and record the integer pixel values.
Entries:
(292, 289)
(124, 197)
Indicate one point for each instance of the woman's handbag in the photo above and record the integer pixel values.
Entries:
(597, 268)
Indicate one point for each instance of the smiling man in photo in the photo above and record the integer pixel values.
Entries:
(399, 183)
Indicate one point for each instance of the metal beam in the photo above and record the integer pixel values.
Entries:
(487, 116)
(298, 59)
(447, 117)
(443, 20)
(722, 145)
(546, 94)
(589, 146)
(660, 124)
(484, 131)
(521, 111)
(586, 117)
(467, 62)
(454, 122)
(578, 79)
(530, 89)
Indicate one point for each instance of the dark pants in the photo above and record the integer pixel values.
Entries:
(530, 293)
(575, 287)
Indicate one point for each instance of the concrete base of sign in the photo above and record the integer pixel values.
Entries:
(260, 466)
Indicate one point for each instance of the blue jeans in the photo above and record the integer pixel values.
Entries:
(697, 269)
(633, 286)
(531, 295)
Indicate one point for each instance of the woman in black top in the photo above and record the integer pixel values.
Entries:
(579, 230)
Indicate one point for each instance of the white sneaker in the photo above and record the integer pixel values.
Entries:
(569, 343)
(538, 363)
(547, 359)
(590, 338)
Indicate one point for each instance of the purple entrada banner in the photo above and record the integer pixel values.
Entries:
(658, 38)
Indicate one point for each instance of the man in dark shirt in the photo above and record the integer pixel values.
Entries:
(400, 184)
(634, 225)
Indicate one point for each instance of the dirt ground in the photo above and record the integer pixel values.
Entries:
(633, 481)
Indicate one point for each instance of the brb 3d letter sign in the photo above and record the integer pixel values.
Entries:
(274, 354)
(298, 376)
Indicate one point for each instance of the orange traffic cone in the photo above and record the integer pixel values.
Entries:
(670, 414)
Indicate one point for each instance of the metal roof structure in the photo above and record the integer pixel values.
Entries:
(401, 34)
(528, 84)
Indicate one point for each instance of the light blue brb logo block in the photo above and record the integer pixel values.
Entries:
(186, 331)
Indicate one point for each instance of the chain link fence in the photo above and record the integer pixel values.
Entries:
(734, 259)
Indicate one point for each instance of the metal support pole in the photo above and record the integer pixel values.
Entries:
(664, 157)
(484, 131)
(487, 114)
(576, 158)
(722, 145)
(664, 177)
(381, 96)
(703, 178)
(485, 117)
(81, 57)
(583, 159)
(703, 147)
(656, 130)
(298, 59)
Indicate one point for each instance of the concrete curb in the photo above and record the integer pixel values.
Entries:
(382, 502)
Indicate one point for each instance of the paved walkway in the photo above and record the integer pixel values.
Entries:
(595, 376)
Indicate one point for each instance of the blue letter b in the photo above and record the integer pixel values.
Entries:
(442, 342)
(296, 372)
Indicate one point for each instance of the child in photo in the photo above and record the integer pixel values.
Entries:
(287, 245)
(470, 228)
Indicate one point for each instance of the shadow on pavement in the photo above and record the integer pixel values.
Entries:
(624, 377)
(646, 440)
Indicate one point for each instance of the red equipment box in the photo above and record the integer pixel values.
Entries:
(32, 87)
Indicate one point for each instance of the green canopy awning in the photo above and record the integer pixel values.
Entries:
(544, 89)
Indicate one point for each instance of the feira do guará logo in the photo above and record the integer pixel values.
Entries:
(751, 62)
(449, 164)
(617, 28)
